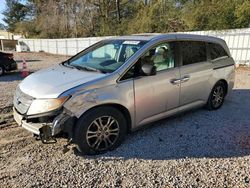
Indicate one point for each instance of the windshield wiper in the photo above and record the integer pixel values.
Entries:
(88, 68)
(66, 64)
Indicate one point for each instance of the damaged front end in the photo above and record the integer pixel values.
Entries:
(48, 126)
(44, 125)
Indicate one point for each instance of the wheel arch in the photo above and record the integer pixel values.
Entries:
(119, 107)
(224, 82)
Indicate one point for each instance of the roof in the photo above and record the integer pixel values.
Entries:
(154, 36)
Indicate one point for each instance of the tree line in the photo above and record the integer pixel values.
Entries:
(85, 18)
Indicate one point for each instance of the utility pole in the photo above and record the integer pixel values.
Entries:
(146, 2)
(118, 11)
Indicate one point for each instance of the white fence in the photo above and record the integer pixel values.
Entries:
(69, 46)
(237, 40)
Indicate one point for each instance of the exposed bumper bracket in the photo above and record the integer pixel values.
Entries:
(45, 135)
(58, 123)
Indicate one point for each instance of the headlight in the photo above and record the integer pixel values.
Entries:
(45, 105)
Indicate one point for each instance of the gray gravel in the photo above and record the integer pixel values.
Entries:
(196, 149)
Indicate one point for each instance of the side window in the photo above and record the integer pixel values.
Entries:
(193, 52)
(217, 51)
(161, 56)
(164, 56)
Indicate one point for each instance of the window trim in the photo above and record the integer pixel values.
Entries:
(219, 58)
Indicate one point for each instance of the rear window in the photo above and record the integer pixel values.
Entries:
(193, 52)
(217, 51)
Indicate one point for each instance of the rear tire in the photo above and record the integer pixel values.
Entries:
(2, 70)
(217, 96)
(99, 130)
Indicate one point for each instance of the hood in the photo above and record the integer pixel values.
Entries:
(51, 82)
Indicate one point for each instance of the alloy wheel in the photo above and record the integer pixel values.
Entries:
(102, 133)
(218, 96)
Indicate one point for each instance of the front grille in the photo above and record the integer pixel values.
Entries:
(22, 101)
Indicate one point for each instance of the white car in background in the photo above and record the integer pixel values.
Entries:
(22, 47)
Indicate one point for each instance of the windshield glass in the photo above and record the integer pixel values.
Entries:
(106, 56)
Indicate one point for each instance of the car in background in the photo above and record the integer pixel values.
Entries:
(7, 63)
(22, 47)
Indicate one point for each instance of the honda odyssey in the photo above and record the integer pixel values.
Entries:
(120, 84)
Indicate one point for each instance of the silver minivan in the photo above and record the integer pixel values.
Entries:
(120, 84)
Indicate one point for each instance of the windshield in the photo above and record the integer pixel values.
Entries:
(106, 56)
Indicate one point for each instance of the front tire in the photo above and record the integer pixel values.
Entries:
(99, 130)
(217, 96)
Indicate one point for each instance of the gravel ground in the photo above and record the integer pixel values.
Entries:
(196, 149)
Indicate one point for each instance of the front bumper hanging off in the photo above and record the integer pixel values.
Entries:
(46, 130)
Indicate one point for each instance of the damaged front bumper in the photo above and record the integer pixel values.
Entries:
(46, 130)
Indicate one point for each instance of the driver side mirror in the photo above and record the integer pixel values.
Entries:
(148, 69)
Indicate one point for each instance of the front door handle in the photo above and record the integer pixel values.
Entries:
(175, 81)
(185, 79)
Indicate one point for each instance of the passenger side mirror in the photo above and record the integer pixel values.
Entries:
(148, 69)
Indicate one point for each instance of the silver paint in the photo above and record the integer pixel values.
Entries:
(146, 98)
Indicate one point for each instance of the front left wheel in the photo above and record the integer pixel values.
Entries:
(99, 130)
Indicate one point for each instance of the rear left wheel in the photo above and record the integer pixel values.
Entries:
(217, 96)
(100, 130)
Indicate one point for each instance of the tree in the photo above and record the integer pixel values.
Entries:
(159, 16)
(2, 26)
(210, 14)
(85, 18)
(243, 14)
(14, 13)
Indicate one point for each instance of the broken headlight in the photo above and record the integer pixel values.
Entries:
(46, 105)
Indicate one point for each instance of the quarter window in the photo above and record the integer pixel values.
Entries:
(193, 52)
(217, 51)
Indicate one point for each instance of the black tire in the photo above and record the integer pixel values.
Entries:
(87, 127)
(2, 70)
(217, 96)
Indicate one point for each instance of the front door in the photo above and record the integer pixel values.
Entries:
(158, 93)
